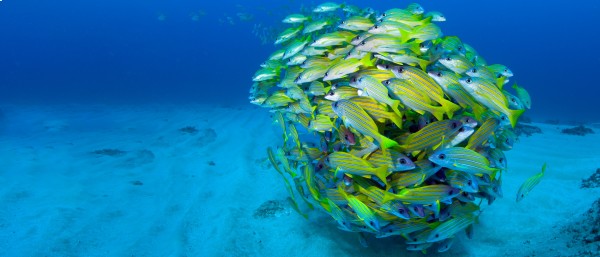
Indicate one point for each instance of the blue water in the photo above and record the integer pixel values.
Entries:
(120, 51)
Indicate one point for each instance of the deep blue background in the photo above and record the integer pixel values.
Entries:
(118, 51)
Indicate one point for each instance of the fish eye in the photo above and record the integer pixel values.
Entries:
(442, 156)
(508, 141)
(346, 137)
(454, 125)
(448, 59)
(383, 15)
(326, 74)
(501, 160)
(372, 223)
(376, 26)
(402, 161)
(363, 43)
(439, 74)
(415, 208)
(469, 80)
(461, 129)
(401, 211)
(459, 48)
(390, 231)
(474, 70)
(506, 70)
(400, 69)
(470, 183)
(437, 235)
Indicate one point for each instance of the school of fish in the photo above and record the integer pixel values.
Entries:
(388, 126)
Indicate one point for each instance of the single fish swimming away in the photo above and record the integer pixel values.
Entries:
(530, 183)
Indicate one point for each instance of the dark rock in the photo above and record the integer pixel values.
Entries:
(110, 152)
(592, 182)
(526, 130)
(189, 130)
(584, 231)
(578, 131)
(136, 183)
(270, 209)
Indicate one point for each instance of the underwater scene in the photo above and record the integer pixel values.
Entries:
(299, 128)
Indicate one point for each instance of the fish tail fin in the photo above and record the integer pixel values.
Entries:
(478, 111)
(381, 173)
(450, 107)
(423, 64)
(438, 113)
(387, 196)
(500, 82)
(514, 116)
(544, 168)
(366, 61)
(394, 106)
(397, 120)
(387, 143)
(414, 46)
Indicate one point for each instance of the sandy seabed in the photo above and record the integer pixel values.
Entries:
(168, 180)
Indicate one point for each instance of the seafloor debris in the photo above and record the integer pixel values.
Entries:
(270, 209)
(578, 131)
(593, 181)
(389, 126)
(113, 152)
(527, 130)
(189, 130)
(585, 232)
(136, 183)
(211, 163)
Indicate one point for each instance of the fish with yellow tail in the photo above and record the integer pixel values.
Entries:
(363, 211)
(489, 95)
(354, 116)
(530, 183)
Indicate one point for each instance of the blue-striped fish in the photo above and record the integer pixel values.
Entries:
(363, 212)
(414, 97)
(462, 180)
(483, 134)
(421, 79)
(523, 96)
(373, 88)
(450, 227)
(424, 195)
(354, 116)
(403, 227)
(530, 183)
(456, 63)
(462, 159)
(347, 163)
(489, 95)
(376, 110)
(431, 136)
